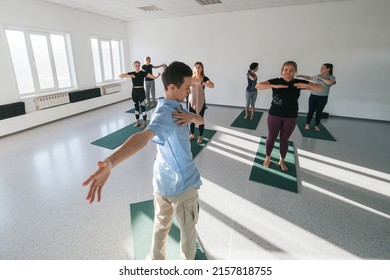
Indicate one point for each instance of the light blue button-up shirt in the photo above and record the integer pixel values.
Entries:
(174, 170)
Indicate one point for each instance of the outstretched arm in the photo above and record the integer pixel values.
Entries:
(132, 145)
(159, 66)
(306, 77)
(267, 85)
(151, 76)
(309, 86)
(122, 76)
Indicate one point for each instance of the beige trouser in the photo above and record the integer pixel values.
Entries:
(186, 210)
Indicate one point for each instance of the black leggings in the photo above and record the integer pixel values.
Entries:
(201, 127)
(317, 105)
(138, 96)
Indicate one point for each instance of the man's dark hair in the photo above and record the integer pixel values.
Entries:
(175, 74)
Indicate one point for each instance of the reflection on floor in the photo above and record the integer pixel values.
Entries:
(341, 210)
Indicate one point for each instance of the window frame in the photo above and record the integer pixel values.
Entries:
(100, 40)
(38, 90)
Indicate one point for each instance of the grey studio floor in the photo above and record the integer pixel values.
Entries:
(341, 211)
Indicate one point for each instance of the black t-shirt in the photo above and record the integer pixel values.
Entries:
(139, 78)
(285, 100)
(204, 80)
(148, 69)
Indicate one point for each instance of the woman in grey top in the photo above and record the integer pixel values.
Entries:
(318, 100)
(251, 91)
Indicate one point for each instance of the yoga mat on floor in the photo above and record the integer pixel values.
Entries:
(147, 108)
(248, 123)
(207, 135)
(324, 134)
(117, 138)
(142, 215)
(273, 175)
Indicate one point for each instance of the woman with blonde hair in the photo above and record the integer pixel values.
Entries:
(282, 116)
(197, 99)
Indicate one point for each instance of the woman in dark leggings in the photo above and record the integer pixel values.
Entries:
(197, 99)
(318, 100)
(282, 116)
(138, 92)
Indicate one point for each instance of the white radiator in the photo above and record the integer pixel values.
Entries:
(48, 101)
(108, 89)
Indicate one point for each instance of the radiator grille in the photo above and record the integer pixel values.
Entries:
(53, 100)
(108, 89)
(12, 110)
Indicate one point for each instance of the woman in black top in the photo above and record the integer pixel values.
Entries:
(138, 92)
(150, 88)
(282, 116)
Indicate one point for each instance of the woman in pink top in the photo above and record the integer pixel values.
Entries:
(197, 98)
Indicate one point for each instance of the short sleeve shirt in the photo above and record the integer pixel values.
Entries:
(325, 92)
(251, 84)
(285, 100)
(148, 68)
(174, 170)
(139, 78)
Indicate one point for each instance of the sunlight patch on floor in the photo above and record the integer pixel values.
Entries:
(343, 199)
(362, 177)
(294, 241)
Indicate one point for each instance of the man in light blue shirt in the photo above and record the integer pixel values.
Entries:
(176, 179)
(174, 169)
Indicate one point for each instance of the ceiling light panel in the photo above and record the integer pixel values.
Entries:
(208, 2)
(151, 8)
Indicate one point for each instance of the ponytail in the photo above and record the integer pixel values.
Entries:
(330, 67)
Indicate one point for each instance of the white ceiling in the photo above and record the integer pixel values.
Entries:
(128, 10)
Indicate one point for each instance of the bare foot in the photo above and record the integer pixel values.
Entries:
(200, 140)
(252, 117)
(307, 126)
(192, 136)
(137, 124)
(143, 124)
(283, 165)
(317, 128)
(246, 117)
(267, 161)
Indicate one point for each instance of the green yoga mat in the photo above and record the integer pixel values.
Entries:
(207, 135)
(324, 134)
(142, 215)
(273, 175)
(147, 108)
(117, 138)
(248, 123)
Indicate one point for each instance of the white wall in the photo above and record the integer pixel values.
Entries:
(30, 13)
(353, 35)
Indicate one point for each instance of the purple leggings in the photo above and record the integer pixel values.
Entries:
(286, 127)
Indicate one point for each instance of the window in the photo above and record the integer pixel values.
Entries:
(41, 60)
(107, 59)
